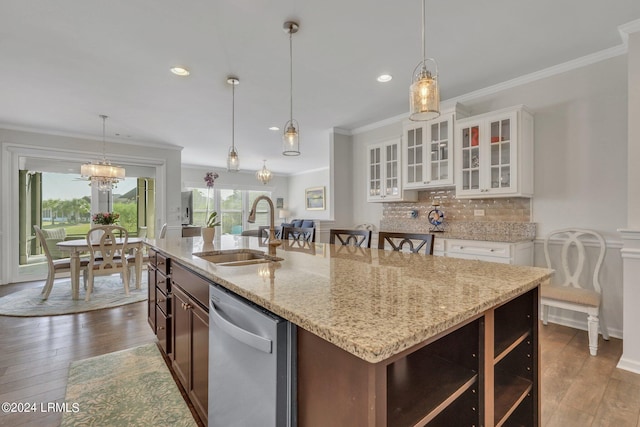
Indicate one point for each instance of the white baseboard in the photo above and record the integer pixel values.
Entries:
(576, 324)
(629, 365)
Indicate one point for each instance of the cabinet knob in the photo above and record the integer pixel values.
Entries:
(160, 282)
(161, 327)
(161, 299)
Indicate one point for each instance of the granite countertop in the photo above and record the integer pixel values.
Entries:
(372, 303)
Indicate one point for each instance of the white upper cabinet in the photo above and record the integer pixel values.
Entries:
(428, 151)
(494, 154)
(384, 178)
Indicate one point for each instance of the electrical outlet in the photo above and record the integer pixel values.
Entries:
(478, 212)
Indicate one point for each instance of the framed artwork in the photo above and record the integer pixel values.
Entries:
(280, 202)
(314, 199)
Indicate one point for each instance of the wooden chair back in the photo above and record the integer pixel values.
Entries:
(579, 287)
(43, 243)
(414, 242)
(302, 234)
(360, 238)
(106, 252)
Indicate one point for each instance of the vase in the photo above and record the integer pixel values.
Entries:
(208, 234)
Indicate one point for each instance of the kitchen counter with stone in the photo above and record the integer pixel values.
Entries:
(372, 303)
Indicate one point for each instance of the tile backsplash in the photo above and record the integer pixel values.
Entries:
(509, 216)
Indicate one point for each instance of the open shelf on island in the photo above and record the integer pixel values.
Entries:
(510, 391)
(420, 390)
(425, 383)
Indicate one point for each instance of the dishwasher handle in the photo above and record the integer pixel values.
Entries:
(242, 335)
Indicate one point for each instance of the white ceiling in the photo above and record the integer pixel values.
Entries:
(65, 62)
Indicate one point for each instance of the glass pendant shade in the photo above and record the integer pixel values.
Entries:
(290, 139)
(264, 175)
(102, 173)
(233, 160)
(424, 94)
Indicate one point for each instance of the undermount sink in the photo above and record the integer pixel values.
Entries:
(236, 257)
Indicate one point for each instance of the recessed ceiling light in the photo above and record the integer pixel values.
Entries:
(180, 71)
(274, 128)
(383, 78)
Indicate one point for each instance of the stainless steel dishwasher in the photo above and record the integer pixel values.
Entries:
(252, 364)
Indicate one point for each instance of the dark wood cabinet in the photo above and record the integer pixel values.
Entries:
(159, 300)
(190, 333)
(484, 372)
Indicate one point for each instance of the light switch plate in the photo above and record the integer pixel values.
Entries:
(478, 212)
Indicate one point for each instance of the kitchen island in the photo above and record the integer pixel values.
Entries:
(388, 338)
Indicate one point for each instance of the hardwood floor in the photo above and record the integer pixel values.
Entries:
(577, 389)
(580, 390)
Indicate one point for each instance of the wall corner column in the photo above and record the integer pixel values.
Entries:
(630, 252)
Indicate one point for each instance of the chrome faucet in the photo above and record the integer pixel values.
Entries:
(273, 242)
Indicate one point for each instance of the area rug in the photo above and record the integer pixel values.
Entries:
(127, 388)
(107, 292)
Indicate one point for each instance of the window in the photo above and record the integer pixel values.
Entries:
(233, 208)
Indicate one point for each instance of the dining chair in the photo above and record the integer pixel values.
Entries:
(301, 234)
(163, 231)
(62, 265)
(580, 289)
(346, 237)
(263, 232)
(107, 255)
(414, 241)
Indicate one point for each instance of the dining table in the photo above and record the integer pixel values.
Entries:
(79, 246)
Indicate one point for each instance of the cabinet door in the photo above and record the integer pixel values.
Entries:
(374, 177)
(470, 156)
(391, 185)
(181, 334)
(440, 164)
(502, 154)
(151, 300)
(199, 391)
(414, 153)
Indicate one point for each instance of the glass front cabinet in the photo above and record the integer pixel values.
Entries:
(384, 177)
(428, 151)
(494, 155)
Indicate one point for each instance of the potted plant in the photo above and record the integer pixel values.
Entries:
(209, 232)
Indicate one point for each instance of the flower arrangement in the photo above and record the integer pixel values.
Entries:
(210, 178)
(212, 221)
(105, 218)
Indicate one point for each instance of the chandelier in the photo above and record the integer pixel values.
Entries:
(291, 136)
(102, 174)
(424, 93)
(264, 175)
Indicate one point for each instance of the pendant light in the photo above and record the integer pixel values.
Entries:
(424, 92)
(264, 175)
(233, 161)
(102, 173)
(291, 136)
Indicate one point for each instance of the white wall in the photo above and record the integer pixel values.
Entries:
(298, 183)
(15, 143)
(341, 178)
